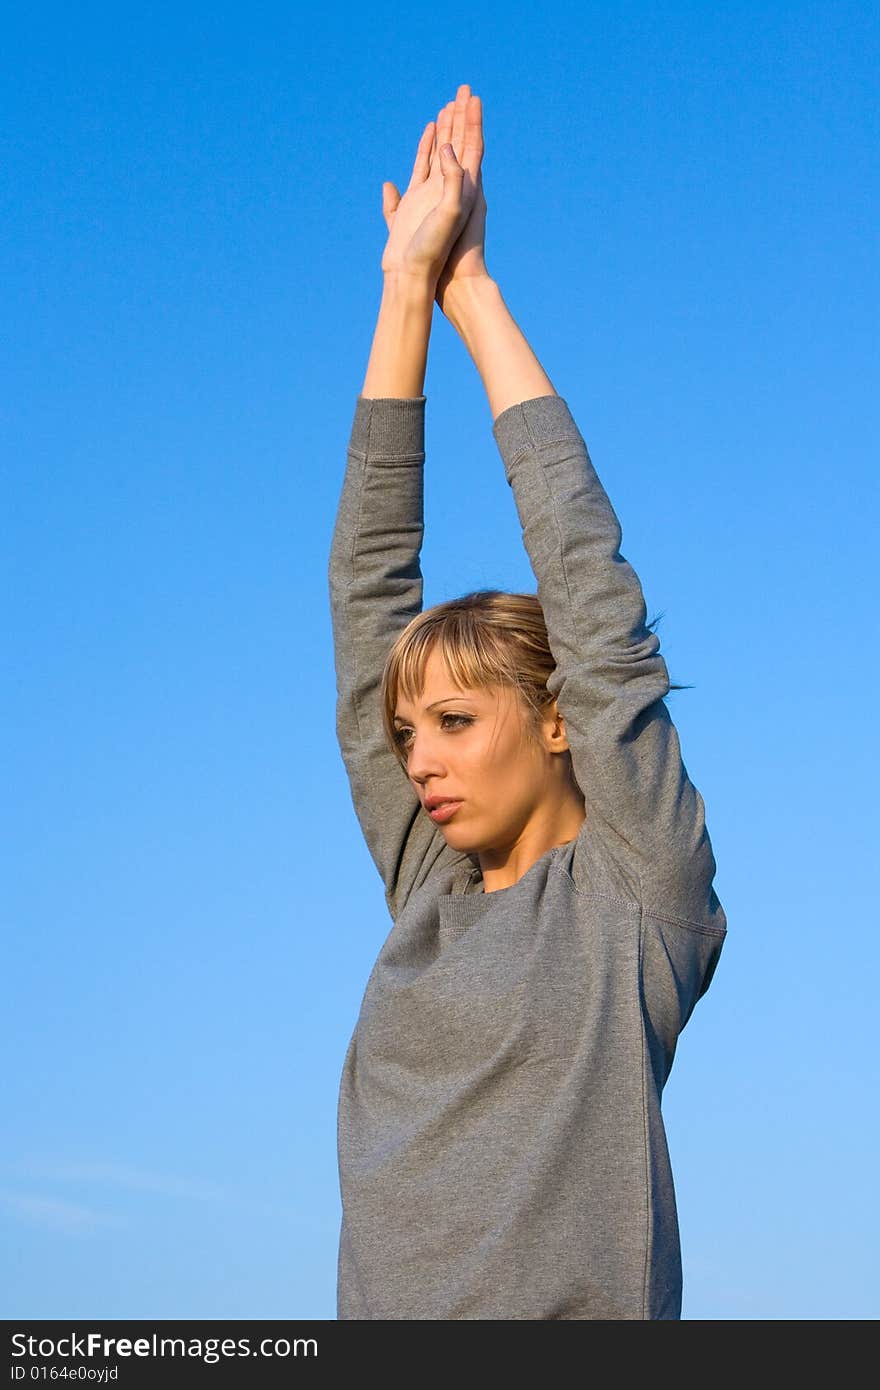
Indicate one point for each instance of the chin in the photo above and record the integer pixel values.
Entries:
(454, 839)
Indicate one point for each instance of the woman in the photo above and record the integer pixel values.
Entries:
(501, 1148)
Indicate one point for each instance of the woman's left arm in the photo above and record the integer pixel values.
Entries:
(610, 679)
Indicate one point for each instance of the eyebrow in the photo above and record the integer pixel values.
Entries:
(398, 719)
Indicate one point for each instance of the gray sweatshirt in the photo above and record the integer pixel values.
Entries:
(502, 1153)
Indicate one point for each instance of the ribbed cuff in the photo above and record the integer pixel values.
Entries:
(388, 426)
(529, 424)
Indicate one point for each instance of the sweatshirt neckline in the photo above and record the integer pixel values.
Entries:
(474, 876)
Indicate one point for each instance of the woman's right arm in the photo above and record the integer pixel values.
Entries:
(375, 583)
(375, 578)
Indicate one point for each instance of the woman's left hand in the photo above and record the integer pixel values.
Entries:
(461, 121)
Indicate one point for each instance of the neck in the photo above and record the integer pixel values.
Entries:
(556, 824)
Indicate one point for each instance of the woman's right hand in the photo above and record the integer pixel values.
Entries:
(427, 221)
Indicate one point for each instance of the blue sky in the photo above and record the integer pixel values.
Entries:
(682, 211)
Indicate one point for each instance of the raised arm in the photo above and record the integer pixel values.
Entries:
(610, 679)
(375, 579)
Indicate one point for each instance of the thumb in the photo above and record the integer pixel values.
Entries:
(453, 177)
(390, 199)
(448, 162)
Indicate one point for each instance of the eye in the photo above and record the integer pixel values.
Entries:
(460, 721)
(449, 722)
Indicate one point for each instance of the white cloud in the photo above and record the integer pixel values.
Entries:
(121, 1175)
(58, 1215)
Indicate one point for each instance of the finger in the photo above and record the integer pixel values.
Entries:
(422, 163)
(390, 199)
(444, 123)
(472, 153)
(443, 129)
(460, 107)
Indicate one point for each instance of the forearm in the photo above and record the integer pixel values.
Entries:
(399, 354)
(509, 368)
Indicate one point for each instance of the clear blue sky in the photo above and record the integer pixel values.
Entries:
(683, 210)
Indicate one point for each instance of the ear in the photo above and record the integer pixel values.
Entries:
(554, 730)
(560, 738)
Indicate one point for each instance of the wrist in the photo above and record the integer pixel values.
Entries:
(398, 357)
(408, 286)
(465, 299)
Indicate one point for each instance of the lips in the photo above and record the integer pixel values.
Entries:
(443, 810)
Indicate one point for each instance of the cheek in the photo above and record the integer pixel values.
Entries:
(508, 763)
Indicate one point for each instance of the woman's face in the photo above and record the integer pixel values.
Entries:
(470, 745)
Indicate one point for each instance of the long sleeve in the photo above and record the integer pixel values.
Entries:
(375, 584)
(610, 678)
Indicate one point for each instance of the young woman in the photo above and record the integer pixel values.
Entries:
(501, 1149)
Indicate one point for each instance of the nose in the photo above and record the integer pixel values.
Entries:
(423, 760)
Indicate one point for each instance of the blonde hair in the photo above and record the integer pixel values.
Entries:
(486, 638)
